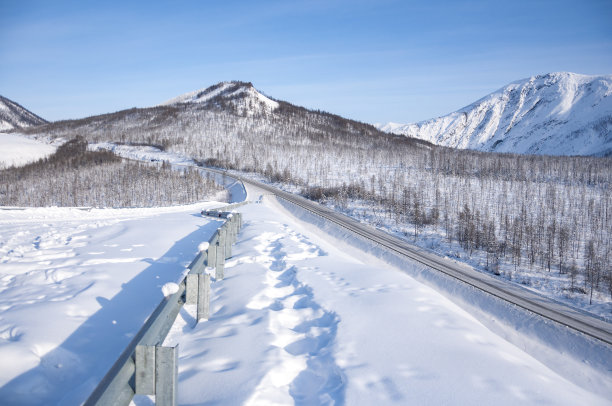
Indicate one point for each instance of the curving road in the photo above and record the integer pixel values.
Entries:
(545, 307)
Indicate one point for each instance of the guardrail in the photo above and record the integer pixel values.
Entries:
(146, 367)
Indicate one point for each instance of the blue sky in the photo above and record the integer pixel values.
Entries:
(374, 61)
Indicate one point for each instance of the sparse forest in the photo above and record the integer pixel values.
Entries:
(74, 176)
(546, 214)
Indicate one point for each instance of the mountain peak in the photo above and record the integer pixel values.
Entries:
(241, 96)
(13, 116)
(559, 113)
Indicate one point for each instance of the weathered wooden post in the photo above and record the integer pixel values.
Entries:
(145, 369)
(166, 375)
(203, 309)
(198, 293)
(227, 237)
(156, 373)
(191, 289)
(235, 228)
(212, 251)
(220, 257)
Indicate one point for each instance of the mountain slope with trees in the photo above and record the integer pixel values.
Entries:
(14, 116)
(549, 215)
(74, 176)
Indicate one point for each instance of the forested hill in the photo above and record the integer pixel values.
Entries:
(13, 116)
(230, 122)
(555, 114)
(540, 212)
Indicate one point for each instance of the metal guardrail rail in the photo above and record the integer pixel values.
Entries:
(145, 366)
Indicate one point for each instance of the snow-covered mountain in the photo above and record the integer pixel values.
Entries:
(241, 97)
(554, 114)
(12, 116)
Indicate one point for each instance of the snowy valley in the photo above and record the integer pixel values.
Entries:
(307, 314)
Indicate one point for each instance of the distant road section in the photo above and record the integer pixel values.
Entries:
(558, 312)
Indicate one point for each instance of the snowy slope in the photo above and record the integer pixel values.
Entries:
(301, 317)
(555, 114)
(12, 116)
(242, 96)
(75, 286)
(18, 150)
(304, 318)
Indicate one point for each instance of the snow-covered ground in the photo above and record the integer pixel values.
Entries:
(304, 318)
(301, 317)
(18, 150)
(76, 285)
(552, 285)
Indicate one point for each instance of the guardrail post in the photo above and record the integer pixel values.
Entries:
(203, 296)
(198, 293)
(228, 240)
(192, 289)
(220, 258)
(145, 370)
(166, 375)
(236, 226)
(211, 259)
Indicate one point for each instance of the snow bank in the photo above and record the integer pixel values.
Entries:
(303, 317)
(169, 288)
(17, 150)
(573, 355)
(76, 285)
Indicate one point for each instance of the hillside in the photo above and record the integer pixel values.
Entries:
(508, 214)
(225, 124)
(554, 114)
(13, 116)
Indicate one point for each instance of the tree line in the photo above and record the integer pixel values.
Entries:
(74, 176)
(540, 213)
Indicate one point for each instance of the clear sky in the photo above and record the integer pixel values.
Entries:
(374, 61)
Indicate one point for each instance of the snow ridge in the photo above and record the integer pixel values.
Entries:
(559, 113)
(303, 369)
(242, 96)
(13, 116)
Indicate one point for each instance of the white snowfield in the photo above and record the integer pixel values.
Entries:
(76, 285)
(559, 113)
(301, 318)
(304, 318)
(17, 150)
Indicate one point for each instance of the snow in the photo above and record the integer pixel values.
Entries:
(152, 154)
(557, 114)
(198, 96)
(12, 116)
(142, 153)
(18, 150)
(241, 97)
(76, 285)
(302, 317)
(551, 285)
(169, 288)
(252, 93)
